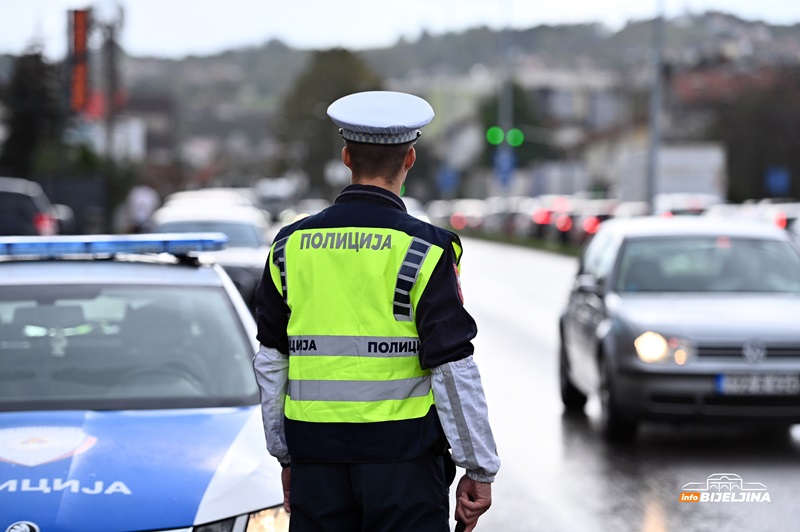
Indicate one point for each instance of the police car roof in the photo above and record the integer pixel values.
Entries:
(123, 272)
(124, 259)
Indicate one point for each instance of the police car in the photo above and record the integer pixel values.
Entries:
(127, 395)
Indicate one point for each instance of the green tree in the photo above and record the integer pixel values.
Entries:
(309, 136)
(524, 117)
(35, 120)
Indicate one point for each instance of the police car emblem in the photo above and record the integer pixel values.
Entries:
(33, 446)
(23, 526)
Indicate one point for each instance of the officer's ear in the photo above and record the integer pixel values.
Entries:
(411, 158)
(346, 157)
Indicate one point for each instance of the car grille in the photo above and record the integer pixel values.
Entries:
(779, 352)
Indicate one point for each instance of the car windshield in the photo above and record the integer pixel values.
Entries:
(708, 264)
(240, 235)
(121, 347)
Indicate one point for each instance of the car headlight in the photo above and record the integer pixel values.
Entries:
(651, 347)
(273, 519)
(270, 520)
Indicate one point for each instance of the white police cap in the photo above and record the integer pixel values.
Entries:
(380, 117)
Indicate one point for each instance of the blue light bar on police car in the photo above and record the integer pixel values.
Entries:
(64, 245)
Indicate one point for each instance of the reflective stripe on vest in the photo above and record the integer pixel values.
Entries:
(356, 346)
(359, 391)
(403, 311)
(279, 259)
(341, 283)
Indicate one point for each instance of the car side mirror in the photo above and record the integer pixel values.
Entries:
(586, 283)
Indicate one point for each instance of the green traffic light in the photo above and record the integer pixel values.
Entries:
(515, 137)
(494, 135)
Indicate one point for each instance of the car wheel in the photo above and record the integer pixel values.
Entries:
(573, 399)
(614, 424)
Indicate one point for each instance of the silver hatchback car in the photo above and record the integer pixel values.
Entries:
(684, 318)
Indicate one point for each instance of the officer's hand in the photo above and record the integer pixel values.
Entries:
(473, 498)
(286, 480)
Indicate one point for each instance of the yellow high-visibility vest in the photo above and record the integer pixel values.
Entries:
(353, 342)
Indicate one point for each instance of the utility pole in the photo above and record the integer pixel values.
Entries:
(656, 97)
(109, 26)
(504, 154)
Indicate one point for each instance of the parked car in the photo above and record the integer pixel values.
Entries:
(302, 208)
(684, 319)
(523, 223)
(730, 211)
(128, 399)
(501, 214)
(25, 209)
(247, 229)
(630, 209)
(215, 196)
(538, 213)
(588, 217)
(468, 214)
(415, 208)
(439, 212)
(683, 204)
(781, 214)
(564, 214)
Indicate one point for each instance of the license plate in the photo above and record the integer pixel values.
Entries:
(758, 384)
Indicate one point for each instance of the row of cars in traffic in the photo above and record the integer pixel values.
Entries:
(573, 219)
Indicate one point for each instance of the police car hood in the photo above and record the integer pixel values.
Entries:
(133, 470)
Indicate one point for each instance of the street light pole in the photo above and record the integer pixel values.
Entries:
(655, 107)
(505, 99)
(108, 20)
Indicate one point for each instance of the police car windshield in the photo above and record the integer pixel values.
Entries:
(121, 347)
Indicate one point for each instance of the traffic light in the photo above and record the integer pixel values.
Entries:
(494, 135)
(514, 137)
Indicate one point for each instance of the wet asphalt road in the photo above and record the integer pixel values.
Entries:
(557, 474)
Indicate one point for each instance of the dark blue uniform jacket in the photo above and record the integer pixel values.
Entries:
(445, 330)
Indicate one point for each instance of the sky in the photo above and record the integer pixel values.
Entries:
(177, 28)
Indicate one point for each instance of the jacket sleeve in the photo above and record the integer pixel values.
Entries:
(462, 410)
(446, 331)
(272, 374)
(444, 326)
(272, 313)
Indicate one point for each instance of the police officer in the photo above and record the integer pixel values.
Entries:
(366, 369)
